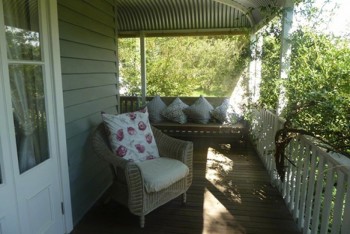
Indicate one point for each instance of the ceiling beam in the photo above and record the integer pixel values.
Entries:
(186, 32)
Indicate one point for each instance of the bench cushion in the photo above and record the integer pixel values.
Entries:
(161, 172)
(199, 127)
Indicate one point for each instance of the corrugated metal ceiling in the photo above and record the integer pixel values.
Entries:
(183, 17)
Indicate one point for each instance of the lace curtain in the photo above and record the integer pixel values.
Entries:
(26, 81)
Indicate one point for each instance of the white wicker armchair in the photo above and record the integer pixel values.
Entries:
(128, 185)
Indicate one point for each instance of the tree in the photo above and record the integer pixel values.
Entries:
(129, 66)
(318, 90)
(182, 66)
(319, 93)
(269, 87)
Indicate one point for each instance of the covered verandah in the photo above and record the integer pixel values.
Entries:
(245, 198)
(231, 191)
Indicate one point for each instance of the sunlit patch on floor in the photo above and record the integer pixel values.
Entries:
(261, 192)
(216, 218)
(226, 147)
(218, 170)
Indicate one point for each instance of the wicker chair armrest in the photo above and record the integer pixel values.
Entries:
(173, 148)
(130, 170)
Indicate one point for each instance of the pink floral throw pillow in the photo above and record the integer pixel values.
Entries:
(131, 136)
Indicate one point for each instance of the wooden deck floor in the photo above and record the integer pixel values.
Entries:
(230, 193)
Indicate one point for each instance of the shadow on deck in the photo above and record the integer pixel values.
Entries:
(230, 193)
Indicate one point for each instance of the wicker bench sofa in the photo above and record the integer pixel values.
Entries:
(237, 131)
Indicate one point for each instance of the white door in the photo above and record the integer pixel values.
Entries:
(30, 162)
(8, 208)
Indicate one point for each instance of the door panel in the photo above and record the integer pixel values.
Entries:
(39, 200)
(40, 212)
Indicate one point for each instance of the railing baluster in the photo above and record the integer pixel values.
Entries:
(346, 218)
(317, 206)
(129, 103)
(294, 157)
(265, 140)
(270, 142)
(310, 191)
(286, 186)
(306, 155)
(298, 181)
(327, 199)
(292, 172)
(339, 203)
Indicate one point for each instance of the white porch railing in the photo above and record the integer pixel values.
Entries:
(316, 190)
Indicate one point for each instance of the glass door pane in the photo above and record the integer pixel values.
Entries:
(29, 115)
(26, 75)
(22, 29)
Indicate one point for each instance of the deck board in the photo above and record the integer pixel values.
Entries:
(231, 193)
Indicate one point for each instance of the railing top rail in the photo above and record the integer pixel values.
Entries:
(339, 161)
(281, 119)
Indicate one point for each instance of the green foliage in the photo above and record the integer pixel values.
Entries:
(129, 66)
(318, 90)
(168, 66)
(186, 65)
(22, 44)
(269, 87)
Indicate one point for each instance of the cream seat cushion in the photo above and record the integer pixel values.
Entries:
(161, 172)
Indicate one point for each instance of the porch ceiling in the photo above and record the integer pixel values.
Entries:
(191, 17)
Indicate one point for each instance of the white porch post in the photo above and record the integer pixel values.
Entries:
(117, 58)
(286, 49)
(256, 42)
(252, 67)
(143, 67)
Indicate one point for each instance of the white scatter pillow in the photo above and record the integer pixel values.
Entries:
(131, 136)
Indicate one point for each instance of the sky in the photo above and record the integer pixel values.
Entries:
(340, 21)
(336, 13)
